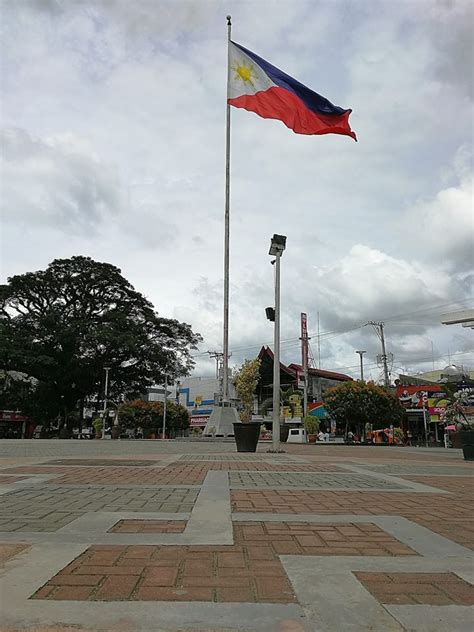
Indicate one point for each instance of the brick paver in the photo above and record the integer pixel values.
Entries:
(458, 530)
(171, 475)
(249, 570)
(408, 469)
(47, 508)
(315, 479)
(7, 551)
(99, 498)
(133, 477)
(409, 505)
(182, 474)
(149, 526)
(130, 462)
(122, 473)
(36, 469)
(6, 480)
(373, 453)
(170, 573)
(234, 457)
(303, 538)
(440, 589)
(39, 520)
(458, 484)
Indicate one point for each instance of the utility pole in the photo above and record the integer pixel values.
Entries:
(379, 329)
(361, 354)
(384, 358)
(304, 360)
(218, 357)
(319, 346)
(106, 392)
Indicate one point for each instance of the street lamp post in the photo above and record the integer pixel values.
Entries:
(106, 392)
(277, 247)
(361, 354)
(164, 408)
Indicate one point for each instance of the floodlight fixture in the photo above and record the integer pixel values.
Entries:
(277, 245)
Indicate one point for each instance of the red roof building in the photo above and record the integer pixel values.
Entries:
(319, 380)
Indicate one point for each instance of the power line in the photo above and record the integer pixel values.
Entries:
(337, 332)
(426, 359)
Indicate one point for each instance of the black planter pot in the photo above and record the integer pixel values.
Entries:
(246, 436)
(116, 432)
(284, 432)
(468, 452)
(466, 438)
(65, 433)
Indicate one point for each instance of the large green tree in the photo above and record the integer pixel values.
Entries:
(64, 325)
(360, 403)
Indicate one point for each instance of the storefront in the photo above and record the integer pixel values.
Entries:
(425, 406)
(13, 425)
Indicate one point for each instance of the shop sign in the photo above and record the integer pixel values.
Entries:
(198, 420)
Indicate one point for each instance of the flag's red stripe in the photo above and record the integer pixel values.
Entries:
(278, 103)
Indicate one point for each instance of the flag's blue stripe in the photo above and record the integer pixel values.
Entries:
(311, 99)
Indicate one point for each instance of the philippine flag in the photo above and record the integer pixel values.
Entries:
(259, 87)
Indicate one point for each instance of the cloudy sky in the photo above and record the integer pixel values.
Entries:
(113, 125)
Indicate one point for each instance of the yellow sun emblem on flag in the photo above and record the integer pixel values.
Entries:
(244, 71)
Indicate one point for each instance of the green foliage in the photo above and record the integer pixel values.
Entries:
(311, 424)
(245, 381)
(63, 325)
(36, 400)
(398, 435)
(98, 424)
(362, 403)
(150, 415)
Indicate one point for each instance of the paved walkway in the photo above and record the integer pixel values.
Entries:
(189, 535)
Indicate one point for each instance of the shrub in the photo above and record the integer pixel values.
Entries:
(311, 424)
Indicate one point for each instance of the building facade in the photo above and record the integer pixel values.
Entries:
(292, 377)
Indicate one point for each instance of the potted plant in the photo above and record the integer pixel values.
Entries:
(465, 437)
(246, 433)
(311, 425)
(98, 425)
(284, 432)
(456, 413)
(116, 429)
(398, 436)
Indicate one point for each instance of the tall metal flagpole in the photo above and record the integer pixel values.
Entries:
(225, 364)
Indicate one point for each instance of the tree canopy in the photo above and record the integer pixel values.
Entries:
(64, 325)
(363, 402)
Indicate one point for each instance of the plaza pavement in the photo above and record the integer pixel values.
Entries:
(190, 535)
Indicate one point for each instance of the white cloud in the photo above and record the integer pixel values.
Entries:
(117, 152)
(56, 181)
(444, 226)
